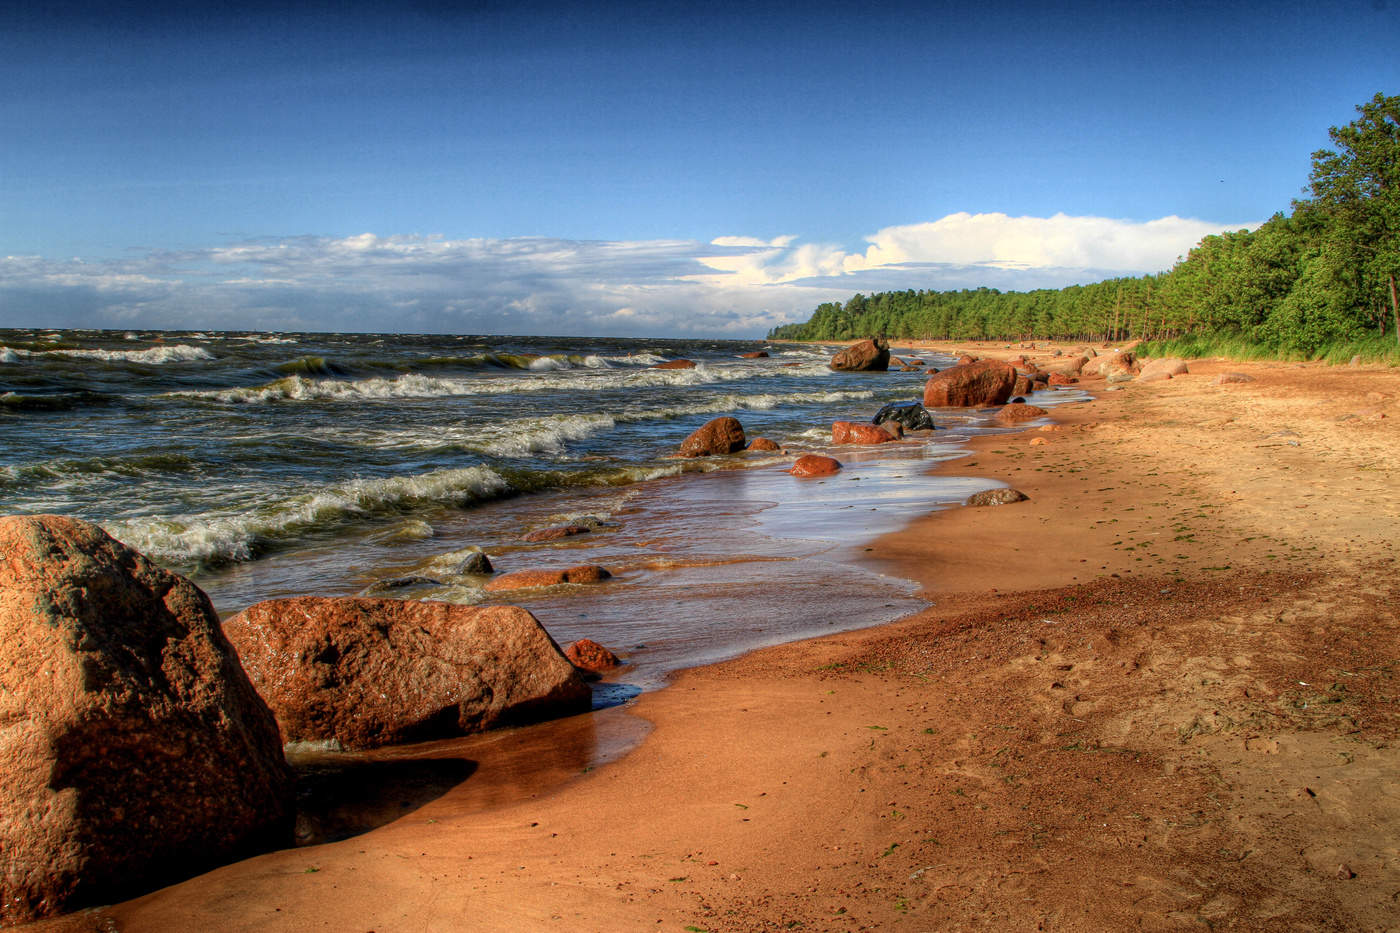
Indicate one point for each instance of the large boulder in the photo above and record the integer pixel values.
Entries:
(986, 382)
(866, 356)
(856, 432)
(369, 672)
(717, 436)
(133, 748)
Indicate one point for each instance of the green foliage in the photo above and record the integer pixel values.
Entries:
(1314, 284)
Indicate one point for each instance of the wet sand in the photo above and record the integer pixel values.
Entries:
(1161, 693)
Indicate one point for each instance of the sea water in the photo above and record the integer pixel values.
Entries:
(268, 465)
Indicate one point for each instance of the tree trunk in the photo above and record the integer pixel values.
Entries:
(1395, 309)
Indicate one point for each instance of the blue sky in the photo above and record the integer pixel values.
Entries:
(637, 170)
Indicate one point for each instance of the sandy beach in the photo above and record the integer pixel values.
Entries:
(1159, 694)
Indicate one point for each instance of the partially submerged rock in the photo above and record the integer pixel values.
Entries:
(674, 364)
(815, 465)
(531, 579)
(866, 356)
(134, 750)
(987, 382)
(717, 436)
(764, 444)
(370, 672)
(912, 415)
(855, 432)
(754, 355)
(555, 532)
(1003, 496)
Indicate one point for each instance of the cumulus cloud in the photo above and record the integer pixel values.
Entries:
(736, 286)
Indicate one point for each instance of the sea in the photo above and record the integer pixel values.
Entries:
(267, 465)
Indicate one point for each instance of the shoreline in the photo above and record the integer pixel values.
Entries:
(898, 774)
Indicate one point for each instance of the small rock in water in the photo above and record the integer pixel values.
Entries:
(587, 655)
(398, 583)
(556, 532)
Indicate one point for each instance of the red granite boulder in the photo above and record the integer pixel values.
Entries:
(674, 364)
(370, 672)
(815, 465)
(532, 579)
(134, 750)
(1060, 379)
(866, 356)
(1165, 368)
(856, 432)
(763, 444)
(754, 355)
(717, 436)
(987, 382)
(587, 655)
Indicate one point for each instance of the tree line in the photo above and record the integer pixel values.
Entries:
(1322, 275)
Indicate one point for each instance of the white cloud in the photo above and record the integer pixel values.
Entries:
(737, 286)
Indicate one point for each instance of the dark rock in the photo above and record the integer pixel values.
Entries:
(754, 355)
(912, 415)
(475, 562)
(134, 750)
(399, 583)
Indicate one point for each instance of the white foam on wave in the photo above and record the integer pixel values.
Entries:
(236, 536)
(178, 353)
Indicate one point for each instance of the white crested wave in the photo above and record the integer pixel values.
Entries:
(223, 537)
(178, 353)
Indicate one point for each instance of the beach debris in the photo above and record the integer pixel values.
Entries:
(1003, 496)
(867, 356)
(531, 579)
(717, 436)
(815, 465)
(587, 655)
(855, 432)
(912, 415)
(674, 364)
(763, 444)
(371, 672)
(1018, 412)
(555, 532)
(988, 382)
(135, 751)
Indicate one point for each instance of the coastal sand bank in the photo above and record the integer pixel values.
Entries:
(1160, 693)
